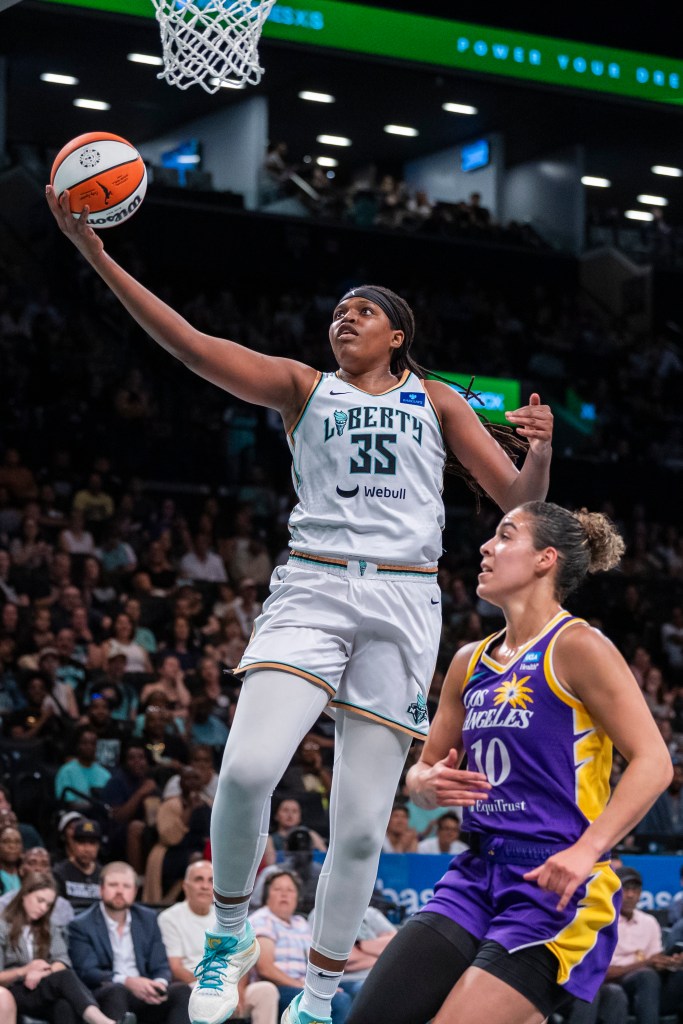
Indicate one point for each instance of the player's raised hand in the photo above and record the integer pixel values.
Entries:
(76, 229)
(443, 784)
(535, 422)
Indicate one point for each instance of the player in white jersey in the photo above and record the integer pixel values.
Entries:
(353, 620)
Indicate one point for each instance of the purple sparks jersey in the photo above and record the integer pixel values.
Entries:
(549, 766)
(547, 761)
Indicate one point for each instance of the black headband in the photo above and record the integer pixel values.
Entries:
(394, 314)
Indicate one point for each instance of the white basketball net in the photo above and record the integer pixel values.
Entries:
(211, 42)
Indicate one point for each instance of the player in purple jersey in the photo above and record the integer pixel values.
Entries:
(527, 917)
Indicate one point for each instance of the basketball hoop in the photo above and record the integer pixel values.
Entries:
(212, 43)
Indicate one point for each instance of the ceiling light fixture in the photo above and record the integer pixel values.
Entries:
(670, 172)
(588, 179)
(48, 76)
(459, 108)
(316, 97)
(145, 58)
(638, 215)
(652, 200)
(401, 129)
(92, 104)
(333, 140)
(326, 161)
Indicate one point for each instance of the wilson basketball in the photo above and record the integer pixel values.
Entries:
(105, 173)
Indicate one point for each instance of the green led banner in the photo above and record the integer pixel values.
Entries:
(492, 396)
(358, 28)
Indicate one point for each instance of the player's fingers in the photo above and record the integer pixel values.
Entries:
(531, 876)
(535, 399)
(567, 894)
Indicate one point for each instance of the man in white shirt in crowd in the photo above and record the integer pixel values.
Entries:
(447, 838)
(118, 952)
(202, 563)
(183, 927)
(651, 978)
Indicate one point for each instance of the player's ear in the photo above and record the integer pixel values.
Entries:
(397, 339)
(546, 559)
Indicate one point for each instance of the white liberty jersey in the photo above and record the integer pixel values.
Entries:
(368, 472)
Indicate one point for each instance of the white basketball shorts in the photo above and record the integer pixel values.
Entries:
(366, 633)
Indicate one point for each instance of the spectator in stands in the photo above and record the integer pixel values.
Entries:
(110, 732)
(17, 478)
(37, 718)
(479, 216)
(400, 837)
(665, 817)
(171, 682)
(610, 1006)
(96, 594)
(676, 905)
(285, 938)
(75, 538)
(116, 555)
(37, 861)
(651, 978)
(97, 506)
(78, 876)
(161, 573)
(30, 837)
(30, 551)
(287, 817)
(160, 733)
(246, 608)
(122, 641)
(79, 777)
(142, 635)
(181, 643)
(133, 796)
(209, 680)
(86, 650)
(11, 852)
(315, 777)
(34, 961)
(69, 670)
(201, 758)
(61, 696)
(202, 563)
(182, 928)
(376, 932)
(205, 727)
(447, 838)
(112, 684)
(119, 953)
(182, 824)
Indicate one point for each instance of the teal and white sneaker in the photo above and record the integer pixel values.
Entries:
(293, 1015)
(214, 998)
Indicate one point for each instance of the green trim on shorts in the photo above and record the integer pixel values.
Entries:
(375, 714)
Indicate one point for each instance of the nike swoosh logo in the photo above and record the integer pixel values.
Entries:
(340, 392)
(436, 602)
(348, 494)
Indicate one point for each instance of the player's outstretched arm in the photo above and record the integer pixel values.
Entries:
(480, 453)
(281, 384)
(593, 670)
(436, 780)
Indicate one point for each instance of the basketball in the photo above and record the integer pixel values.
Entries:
(105, 173)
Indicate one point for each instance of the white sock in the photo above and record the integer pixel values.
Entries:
(231, 918)
(320, 986)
